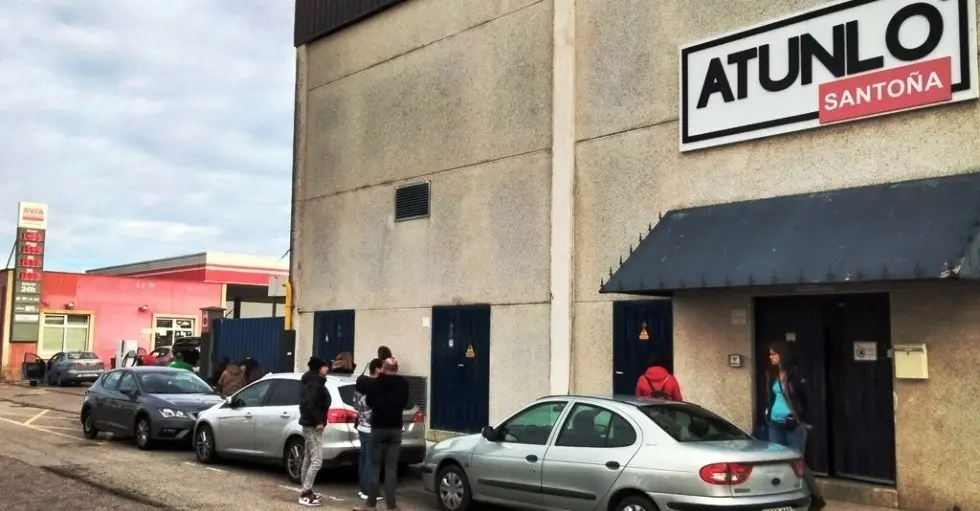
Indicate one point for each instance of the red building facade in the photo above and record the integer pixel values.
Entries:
(94, 312)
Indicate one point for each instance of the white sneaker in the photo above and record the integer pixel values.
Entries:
(311, 500)
(362, 495)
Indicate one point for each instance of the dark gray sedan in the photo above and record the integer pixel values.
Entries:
(148, 403)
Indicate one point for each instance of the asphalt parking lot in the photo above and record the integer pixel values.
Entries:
(41, 436)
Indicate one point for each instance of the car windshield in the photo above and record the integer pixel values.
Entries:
(82, 356)
(691, 423)
(175, 382)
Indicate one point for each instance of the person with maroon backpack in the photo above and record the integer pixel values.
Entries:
(657, 382)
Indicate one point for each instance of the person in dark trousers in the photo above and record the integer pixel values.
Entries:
(657, 382)
(313, 406)
(786, 414)
(361, 387)
(387, 397)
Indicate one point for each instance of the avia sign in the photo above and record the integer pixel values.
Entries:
(845, 61)
(32, 215)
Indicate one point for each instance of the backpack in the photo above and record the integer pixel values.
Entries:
(659, 393)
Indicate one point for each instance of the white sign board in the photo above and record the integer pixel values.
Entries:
(865, 351)
(840, 62)
(32, 215)
(277, 285)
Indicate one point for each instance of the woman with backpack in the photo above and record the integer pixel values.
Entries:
(657, 382)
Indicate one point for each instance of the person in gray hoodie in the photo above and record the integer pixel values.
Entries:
(364, 424)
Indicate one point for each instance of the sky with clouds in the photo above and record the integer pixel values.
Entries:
(151, 128)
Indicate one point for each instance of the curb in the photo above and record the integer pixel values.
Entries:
(38, 406)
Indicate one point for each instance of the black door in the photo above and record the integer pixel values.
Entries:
(797, 321)
(333, 333)
(851, 405)
(460, 376)
(642, 329)
(287, 350)
(860, 394)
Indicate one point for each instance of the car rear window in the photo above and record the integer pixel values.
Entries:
(691, 423)
(82, 356)
(346, 393)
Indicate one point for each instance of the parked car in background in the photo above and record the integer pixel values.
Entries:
(626, 454)
(150, 403)
(73, 367)
(261, 423)
(188, 347)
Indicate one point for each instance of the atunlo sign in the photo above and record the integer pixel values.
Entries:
(840, 62)
(32, 224)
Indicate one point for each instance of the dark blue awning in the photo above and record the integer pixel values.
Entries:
(922, 229)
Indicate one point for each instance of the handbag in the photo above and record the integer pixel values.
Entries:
(793, 420)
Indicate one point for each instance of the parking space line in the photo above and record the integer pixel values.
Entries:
(38, 428)
(198, 465)
(59, 427)
(40, 414)
(290, 488)
(213, 469)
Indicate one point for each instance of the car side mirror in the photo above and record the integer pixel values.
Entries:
(488, 433)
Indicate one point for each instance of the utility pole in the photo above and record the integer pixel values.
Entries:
(13, 249)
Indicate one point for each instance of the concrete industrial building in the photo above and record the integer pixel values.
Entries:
(527, 197)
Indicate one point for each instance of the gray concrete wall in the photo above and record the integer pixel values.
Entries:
(458, 94)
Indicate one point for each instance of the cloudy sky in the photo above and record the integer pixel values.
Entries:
(151, 128)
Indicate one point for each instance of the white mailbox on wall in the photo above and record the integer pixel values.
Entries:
(911, 361)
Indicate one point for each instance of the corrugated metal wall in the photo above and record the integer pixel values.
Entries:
(318, 18)
(250, 337)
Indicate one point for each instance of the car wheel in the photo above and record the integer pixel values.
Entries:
(204, 444)
(292, 458)
(636, 503)
(452, 489)
(144, 433)
(88, 425)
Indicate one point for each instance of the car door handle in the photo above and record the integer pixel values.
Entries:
(619, 373)
(248, 415)
(532, 458)
(284, 415)
(612, 465)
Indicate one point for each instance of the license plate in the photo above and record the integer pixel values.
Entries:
(784, 508)
(89, 375)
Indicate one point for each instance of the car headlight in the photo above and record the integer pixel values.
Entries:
(170, 412)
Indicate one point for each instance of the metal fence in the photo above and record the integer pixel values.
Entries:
(258, 338)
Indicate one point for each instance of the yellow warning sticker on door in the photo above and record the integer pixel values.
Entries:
(469, 351)
(644, 336)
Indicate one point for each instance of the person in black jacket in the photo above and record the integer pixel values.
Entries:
(387, 397)
(786, 415)
(313, 406)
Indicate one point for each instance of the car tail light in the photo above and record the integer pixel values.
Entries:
(341, 416)
(418, 417)
(726, 473)
(77, 364)
(798, 467)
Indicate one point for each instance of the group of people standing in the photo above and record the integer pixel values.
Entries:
(380, 398)
(231, 377)
(786, 420)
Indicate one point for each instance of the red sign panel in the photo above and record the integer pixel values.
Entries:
(893, 89)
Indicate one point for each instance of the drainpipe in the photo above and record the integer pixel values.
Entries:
(289, 305)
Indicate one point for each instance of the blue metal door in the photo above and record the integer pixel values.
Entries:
(460, 375)
(257, 338)
(333, 333)
(642, 330)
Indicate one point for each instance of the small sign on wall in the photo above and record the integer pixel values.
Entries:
(734, 360)
(865, 351)
(739, 317)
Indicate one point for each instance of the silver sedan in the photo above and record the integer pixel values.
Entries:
(624, 454)
(261, 423)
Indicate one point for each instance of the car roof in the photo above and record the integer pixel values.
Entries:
(346, 378)
(150, 369)
(622, 399)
